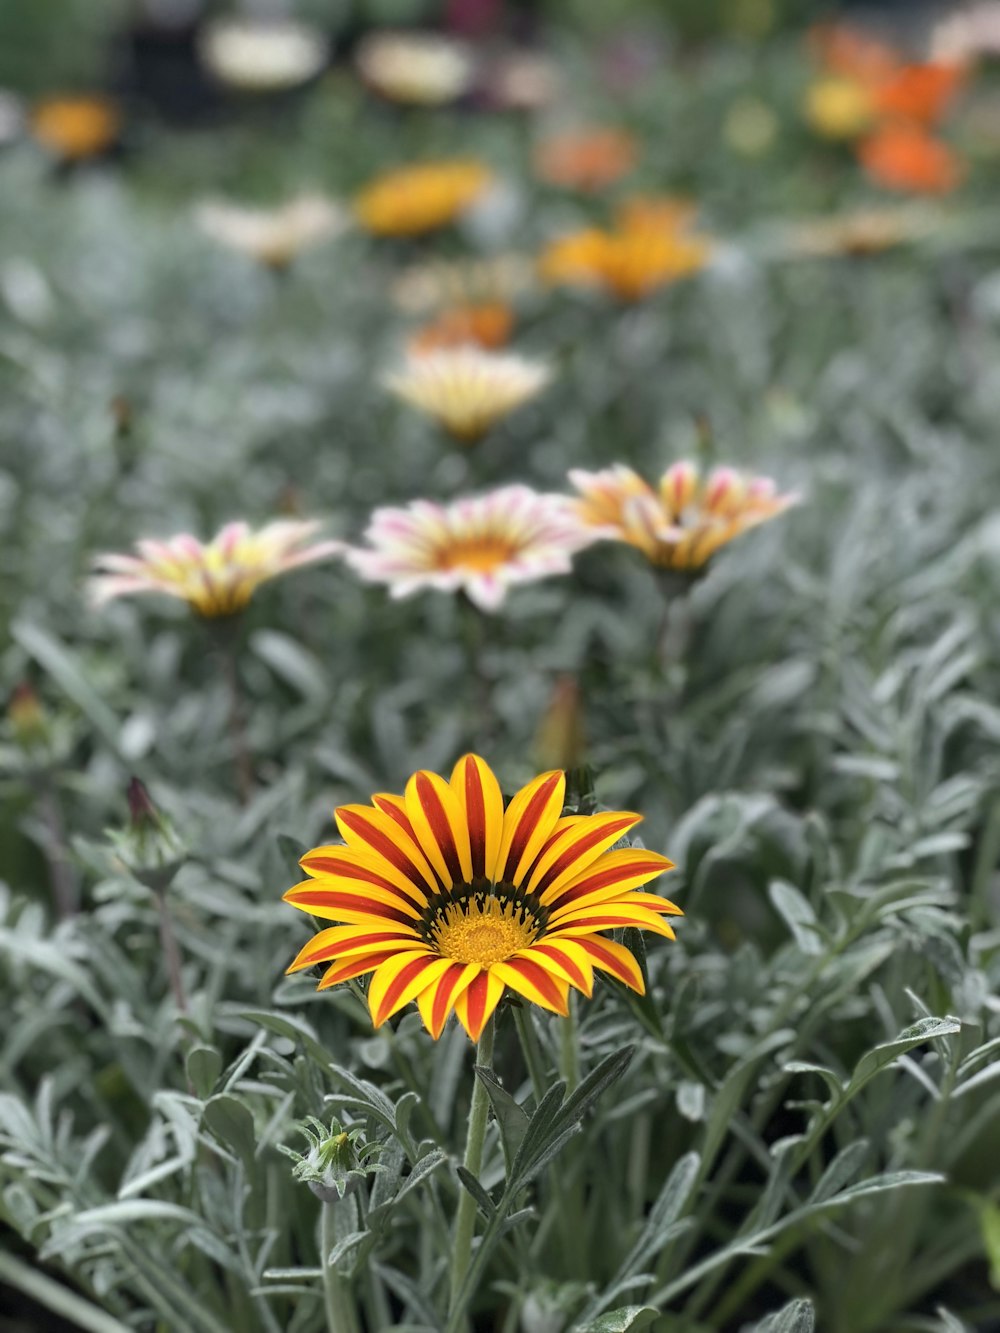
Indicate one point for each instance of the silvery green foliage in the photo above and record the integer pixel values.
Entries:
(798, 1116)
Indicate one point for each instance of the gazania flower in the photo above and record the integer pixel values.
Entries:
(629, 264)
(273, 236)
(217, 578)
(421, 68)
(919, 93)
(865, 232)
(970, 32)
(418, 199)
(488, 325)
(257, 55)
(840, 108)
(481, 546)
(586, 160)
(522, 80)
(442, 284)
(74, 128)
(444, 897)
(686, 519)
(467, 389)
(906, 158)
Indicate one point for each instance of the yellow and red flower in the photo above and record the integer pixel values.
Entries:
(444, 897)
(686, 519)
(417, 199)
(215, 578)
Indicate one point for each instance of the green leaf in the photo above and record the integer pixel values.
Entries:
(232, 1124)
(927, 1029)
(989, 1227)
(57, 1297)
(511, 1117)
(731, 1092)
(288, 659)
(624, 1320)
(486, 1204)
(798, 915)
(296, 1029)
(204, 1065)
(797, 1316)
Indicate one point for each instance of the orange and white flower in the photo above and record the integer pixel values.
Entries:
(416, 199)
(419, 68)
(274, 236)
(481, 545)
(215, 578)
(468, 389)
(908, 160)
(586, 160)
(258, 55)
(686, 519)
(444, 897)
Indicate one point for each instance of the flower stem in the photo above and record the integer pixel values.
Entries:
(569, 1058)
(171, 952)
(465, 1217)
(340, 1312)
(532, 1054)
(237, 717)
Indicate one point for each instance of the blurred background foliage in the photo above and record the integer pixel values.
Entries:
(821, 761)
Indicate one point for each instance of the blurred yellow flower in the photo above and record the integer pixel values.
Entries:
(215, 578)
(74, 128)
(422, 68)
(412, 200)
(655, 212)
(468, 389)
(630, 264)
(840, 108)
(273, 236)
(686, 519)
(262, 55)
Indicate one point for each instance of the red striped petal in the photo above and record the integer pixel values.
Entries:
(477, 1002)
(347, 905)
(346, 865)
(380, 833)
(479, 796)
(614, 958)
(536, 984)
(613, 874)
(439, 826)
(529, 820)
(344, 941)
(611, 916)
(573, 849)
(401, 979)
(565, 959)
(438, 999)
(349, 968)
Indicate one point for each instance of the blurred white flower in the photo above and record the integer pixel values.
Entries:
(968, 33)
(468, 390)
(523, 81)
(262, 56)
(422, 68)
(273, 236)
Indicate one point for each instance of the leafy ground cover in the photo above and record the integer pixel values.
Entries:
(795, 1126)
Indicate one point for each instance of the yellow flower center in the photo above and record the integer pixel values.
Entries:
(477, 554)
(483, 931)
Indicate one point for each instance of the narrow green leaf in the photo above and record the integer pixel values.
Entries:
(797, 913)
(927, 1029)
(511, 1117)
(797, 1316)
(56, 1297)
(628, 1319)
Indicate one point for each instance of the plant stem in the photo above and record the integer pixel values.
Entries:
(569, 1057)
(340, 1312)
(465, 1216)
(61, 876)
(530, 1049)
(227, 641)
(171, 952)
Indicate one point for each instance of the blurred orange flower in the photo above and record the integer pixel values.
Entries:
(586, 160)
(412, 200)
(74, 128)
(487, 325)
(904, 157)
(654, 212)
(919, 93)
(630, 264)
(851, 53)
